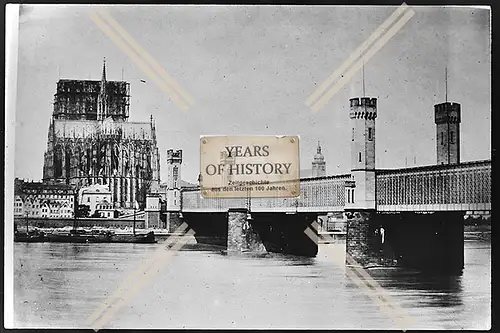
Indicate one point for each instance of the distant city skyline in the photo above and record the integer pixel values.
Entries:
(250, 70)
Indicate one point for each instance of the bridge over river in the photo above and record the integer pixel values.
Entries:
(410, 216)
(458, 187)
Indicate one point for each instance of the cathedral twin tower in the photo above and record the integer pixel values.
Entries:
(91, 141)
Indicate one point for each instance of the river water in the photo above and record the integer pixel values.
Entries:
(61, 285)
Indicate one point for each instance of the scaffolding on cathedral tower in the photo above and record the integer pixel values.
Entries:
(91, 141)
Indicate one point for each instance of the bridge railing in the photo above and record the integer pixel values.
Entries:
(322, 194)
(465, 186)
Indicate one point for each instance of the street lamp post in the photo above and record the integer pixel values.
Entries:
(27, 222)
(135, 207)
(75, 208)
(249, 204)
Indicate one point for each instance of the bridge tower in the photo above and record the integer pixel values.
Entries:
(447, 118)
(174, 161)
(360, 205)
(363, 112)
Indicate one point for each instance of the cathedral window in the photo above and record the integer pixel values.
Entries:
(370, 133)
(359, 157)
(452, 137)
(353, 134)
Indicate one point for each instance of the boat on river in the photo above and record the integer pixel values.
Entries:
(99, 236)
(29, 237)
(71, 236)
(133, 238)
(79, 235)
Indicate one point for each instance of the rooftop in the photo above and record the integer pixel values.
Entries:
(96, 188)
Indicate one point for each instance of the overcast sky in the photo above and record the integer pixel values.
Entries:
(250, 70)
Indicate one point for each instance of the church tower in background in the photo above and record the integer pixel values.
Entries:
(318, 164)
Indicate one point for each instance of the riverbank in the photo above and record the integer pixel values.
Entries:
(471, 232)
(81, 235)
(478, 228)
(477, 232)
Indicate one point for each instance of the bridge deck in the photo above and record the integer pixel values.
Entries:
(458, 187)
(325, 194)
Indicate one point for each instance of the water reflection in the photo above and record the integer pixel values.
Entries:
(59, 285)
(430, 290)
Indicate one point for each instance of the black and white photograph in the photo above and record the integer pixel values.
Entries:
(248, 167)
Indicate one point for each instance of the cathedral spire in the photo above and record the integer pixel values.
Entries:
(318, 150)
(102, 109)
(103, 79)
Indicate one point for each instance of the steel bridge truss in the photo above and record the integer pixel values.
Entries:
(458, 187)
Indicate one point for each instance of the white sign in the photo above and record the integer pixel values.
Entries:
(249, 166)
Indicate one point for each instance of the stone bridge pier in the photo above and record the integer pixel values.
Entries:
(271, 232)
(240, 232)
(242, 235)
(285, 233)
(209, 228)
(431, 242)
(173, 220)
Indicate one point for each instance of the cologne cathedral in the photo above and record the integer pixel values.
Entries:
(91, 141)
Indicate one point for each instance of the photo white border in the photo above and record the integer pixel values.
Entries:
(11, 58)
